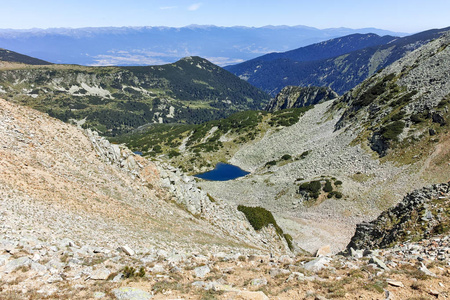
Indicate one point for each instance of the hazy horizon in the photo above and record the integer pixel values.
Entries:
(401, 16)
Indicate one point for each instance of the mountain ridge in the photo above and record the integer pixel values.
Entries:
(118, 99)
(341, 73)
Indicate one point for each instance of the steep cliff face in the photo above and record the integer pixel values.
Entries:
(421, 214)
(294, 96)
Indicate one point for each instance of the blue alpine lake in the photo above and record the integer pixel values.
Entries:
(223, 172)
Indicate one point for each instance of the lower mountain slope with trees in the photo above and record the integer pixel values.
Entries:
(115, 100)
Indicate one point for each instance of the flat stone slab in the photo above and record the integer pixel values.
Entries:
(129, 293)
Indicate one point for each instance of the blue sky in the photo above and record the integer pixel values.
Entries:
(396, 15)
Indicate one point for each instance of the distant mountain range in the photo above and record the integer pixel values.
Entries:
(127, 46)
(340, 63)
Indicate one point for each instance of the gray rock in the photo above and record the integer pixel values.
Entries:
(118, 277)
(201, 272)
(356, 253)
(130, 293)
(317, 264)
(425, 270)
(295, 276)
(3, 259)
(285, 259)
(274, 272)
(17, 263)
(37, 267)
(100, 274)
(379, 263)
(158, 268)
(127, 250)
(259, 281)
(66, 242)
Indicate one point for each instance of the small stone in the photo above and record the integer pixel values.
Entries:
(201, 272)
(317, 264)
(259, 281)
(295, 276)
(379, 263)
(274, 272)
(129, 293)
(434, 293)
(127, 250)
(425, 270)
(286, 260)
(246, 295)
(356, 253)
(100, 274)
(37, 267)
(395, 283)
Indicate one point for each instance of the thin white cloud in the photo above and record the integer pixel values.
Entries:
(194, 6)
(168, 7)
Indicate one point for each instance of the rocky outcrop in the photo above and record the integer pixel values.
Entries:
(295, 96)
(421, 214)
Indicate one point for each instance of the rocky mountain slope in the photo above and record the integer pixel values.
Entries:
(14, 57)
(341, 72)
(85, 219)
(114, 100)
(293, 96)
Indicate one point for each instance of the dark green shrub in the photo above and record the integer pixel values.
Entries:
(416, 118)
(304, 154)
(288, 239)
(313, 188)
(441, 228)
(338, 182)
(270, 163)
(286, 157)
(259, 217)
(328, 187)
(392, 131)
(141, 272)
(130, 272)
(398, 116)
(173, 153)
